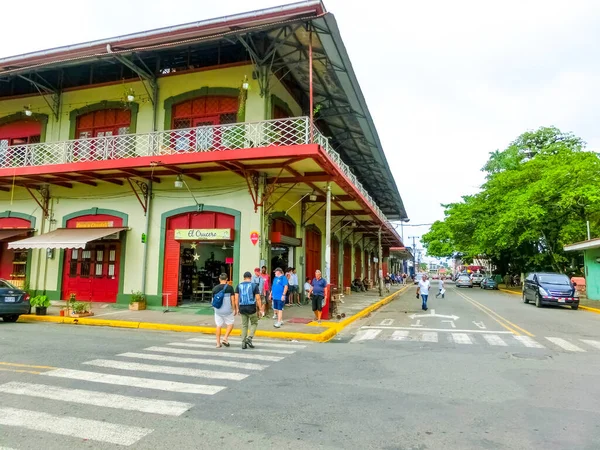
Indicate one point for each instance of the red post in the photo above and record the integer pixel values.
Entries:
(310, 83)
(325, 310)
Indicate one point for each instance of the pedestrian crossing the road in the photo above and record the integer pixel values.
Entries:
(463, 338)
(201, 371)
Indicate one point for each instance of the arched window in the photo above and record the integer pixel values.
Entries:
(205, 110)
(104, 122)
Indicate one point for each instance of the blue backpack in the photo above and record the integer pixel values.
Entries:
(217, 300)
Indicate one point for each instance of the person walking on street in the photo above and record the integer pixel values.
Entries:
(259, 281)
(267, 287)
(442, 288)
(225, 308)
(295, 287)
(423, 290)
(317, 294)
(279, 290)
(247, 298)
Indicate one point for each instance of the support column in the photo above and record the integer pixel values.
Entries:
(380, 264)
(325, 312)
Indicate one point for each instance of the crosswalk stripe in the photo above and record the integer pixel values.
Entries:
(171, 370)
(94, 430)
(365, 335)
(235, 349)
(205, 361)
(564, 344)
(528, 342)
(225, 354)
(386, 322)
(595, 344)
(146, 383)
(427, 336)
(400, 335)
(256, 342)
(104, 399)
(461, 338)
(494, 339)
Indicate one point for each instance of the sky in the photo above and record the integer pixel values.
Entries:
(445, 82)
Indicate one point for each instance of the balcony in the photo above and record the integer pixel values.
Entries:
(204, 139)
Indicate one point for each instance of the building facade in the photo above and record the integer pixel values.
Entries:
(155, 162)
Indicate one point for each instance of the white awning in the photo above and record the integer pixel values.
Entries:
(7, 233)
(66, 238)
(585, 245)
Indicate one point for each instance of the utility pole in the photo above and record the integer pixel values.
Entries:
(414, 250)
(379, 265)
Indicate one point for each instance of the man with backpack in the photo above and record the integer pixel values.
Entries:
(247, 298)
(225, 308)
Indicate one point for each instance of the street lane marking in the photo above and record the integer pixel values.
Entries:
(184, 351)
(494, 339)
(20, 371)
(461, 338)
(138, 382)
(494, 315)
(255, 341)
(211, 362)
(365, 335)
(528, 342)
(104, 399)
(171, 370)
(427, 336)
(595, 344)
(94, 430)
(25, 365)
(400, 335)
(235, 349)
(446, 330)
(566, 345)
(387, 322)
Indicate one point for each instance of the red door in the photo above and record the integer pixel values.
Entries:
(357, 262)
(335, 259)
(347, 264)
(313, 252)
(92, 274)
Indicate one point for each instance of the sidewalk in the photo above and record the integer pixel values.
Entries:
(298, 320)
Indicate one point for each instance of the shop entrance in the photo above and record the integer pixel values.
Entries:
(283, 243)
(281, 256)
(198, 248)
(201, 263)
(13, 263)
(93, 273)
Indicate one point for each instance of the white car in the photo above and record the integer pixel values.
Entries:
(477, 278)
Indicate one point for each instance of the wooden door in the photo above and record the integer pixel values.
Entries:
(347, 264)
(313, 253)
(357, 262)
(335, 259)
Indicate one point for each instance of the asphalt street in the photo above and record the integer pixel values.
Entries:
(478, 370)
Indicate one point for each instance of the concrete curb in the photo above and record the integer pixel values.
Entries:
(320, 337)
(587, 308)
(511, 292)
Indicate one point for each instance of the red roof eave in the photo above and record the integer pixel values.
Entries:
(167, 34)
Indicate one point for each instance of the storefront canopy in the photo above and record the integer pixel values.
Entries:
(65, 238)
(8, 233)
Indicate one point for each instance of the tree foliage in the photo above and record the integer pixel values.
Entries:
(539, 193)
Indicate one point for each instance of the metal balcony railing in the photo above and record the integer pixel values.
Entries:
(267, 133)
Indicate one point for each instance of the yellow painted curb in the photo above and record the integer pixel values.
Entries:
(334, 327)
(511, 292)
(587, 308)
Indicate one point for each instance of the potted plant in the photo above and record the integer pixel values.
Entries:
(81, 309)
(137, 302)
(41, 304)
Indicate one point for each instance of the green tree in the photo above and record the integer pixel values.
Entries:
(539, 193)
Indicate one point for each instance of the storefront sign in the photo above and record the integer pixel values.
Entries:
(228, 260)
(204, 234)
(99, 224)
(254, 237)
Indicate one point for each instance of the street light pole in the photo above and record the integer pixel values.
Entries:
(379, 264)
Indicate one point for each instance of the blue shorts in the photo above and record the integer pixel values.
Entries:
(278, 305)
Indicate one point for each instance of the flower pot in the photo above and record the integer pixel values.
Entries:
(62, 313)
(137, 306)
(82, 314)
(40, 310)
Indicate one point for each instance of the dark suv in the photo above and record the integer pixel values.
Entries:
(545, 288)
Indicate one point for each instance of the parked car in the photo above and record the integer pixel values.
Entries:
(13, 302)
(489, 283)
(464, 281)
(546, 288)
(477, 278)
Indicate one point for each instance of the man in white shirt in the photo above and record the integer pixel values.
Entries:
(442, 287)
(423, 290)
